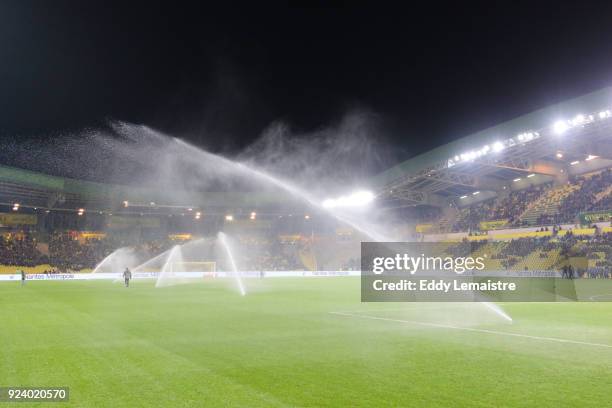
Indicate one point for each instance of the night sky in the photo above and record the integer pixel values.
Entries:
(218, 77)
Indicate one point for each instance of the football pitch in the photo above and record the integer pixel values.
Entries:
(296, 342)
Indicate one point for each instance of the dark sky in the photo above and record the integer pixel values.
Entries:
(220, 76)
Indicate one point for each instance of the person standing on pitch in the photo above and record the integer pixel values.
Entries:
(23, 277)
(127, 275)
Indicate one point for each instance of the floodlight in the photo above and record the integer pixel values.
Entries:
(591, 157)
(559, 155)
(574, 163)
(579, 119)
(329, 203)
(530, 175)
(560, 127)
(357, 199)
(463, 196)
(498, 147)
(517, 179)
(229, 217)
(476, 193)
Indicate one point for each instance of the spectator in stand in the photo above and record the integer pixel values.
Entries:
(509, 208)
(20, 250)
(589, 197)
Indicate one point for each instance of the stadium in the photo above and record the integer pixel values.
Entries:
(247, 292)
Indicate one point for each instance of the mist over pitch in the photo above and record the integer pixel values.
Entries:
(307, 168)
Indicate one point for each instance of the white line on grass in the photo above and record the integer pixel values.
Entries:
(471, 329)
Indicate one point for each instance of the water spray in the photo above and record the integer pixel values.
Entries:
(230, 256)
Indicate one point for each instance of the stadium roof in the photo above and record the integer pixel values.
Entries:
(503, 152)
(45, 191)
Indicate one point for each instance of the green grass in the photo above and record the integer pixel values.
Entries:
(203, 345)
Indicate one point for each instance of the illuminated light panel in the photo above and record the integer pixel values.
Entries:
(530, 175)
(574, 163)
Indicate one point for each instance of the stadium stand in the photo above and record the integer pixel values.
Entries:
(545, 253)
(20, 250)
(545, 209)
(592, 192)
(543, 205)
(67, 253)
(510, 208)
